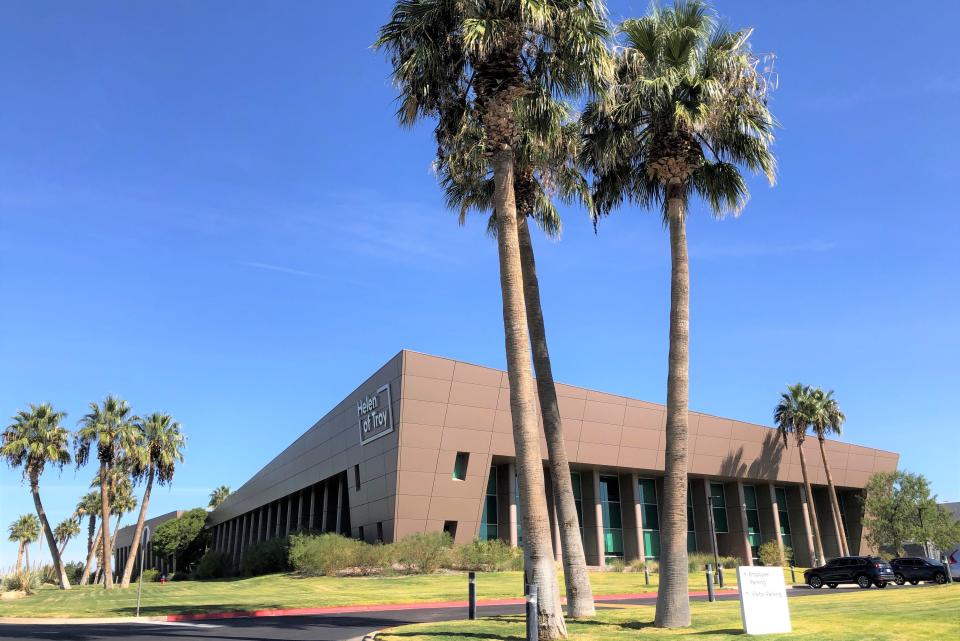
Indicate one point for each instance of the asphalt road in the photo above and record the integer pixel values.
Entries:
(334, 627)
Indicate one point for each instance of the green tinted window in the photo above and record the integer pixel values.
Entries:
(488, 521)
(719, 508)
(612, 520)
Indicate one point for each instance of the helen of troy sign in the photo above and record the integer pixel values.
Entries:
(375, 415)
(763, 600)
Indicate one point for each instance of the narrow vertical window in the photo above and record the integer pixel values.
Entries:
(460, 466)
(379, 531)
(356, 477)
(612, 518)
(753, 521)
(719, 508)
(650, 517)
(490, 518)
(783, 510)
(450, 527)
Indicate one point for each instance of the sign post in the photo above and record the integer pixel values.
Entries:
(763, 600)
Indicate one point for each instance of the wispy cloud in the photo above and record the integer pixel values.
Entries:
(276, 268)
(751, 250)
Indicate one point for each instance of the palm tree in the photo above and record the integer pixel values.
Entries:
(544, 164)
(34, 440)
(110, 428)
(687, 109)
(24, 531)
(89, 505)
(828, 419)
(468, 61)
(159, 449)
(66, 530)
(793, 415)
(219, 495)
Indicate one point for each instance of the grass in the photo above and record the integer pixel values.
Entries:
(928, 614)
(289, 591)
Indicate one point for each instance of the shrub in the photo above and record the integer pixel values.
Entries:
(423, 553)
(331, 554)
(697, 561)
(266, 557)
(184, 537)
(730, 562)
(638, 565)
(28, 581)
(48, 574)
(617, 565)
(74, 571)
(151, 575)
(770, 554)
(180, 575)
(215, 565)
(485, 556)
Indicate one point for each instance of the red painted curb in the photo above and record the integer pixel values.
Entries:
(386, 607)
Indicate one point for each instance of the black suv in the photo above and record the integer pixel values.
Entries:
(914, 569)
(862, 570)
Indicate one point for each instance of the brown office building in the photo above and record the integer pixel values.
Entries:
(425, 445)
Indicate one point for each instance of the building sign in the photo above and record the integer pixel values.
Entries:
(763, 600)
(375, 415)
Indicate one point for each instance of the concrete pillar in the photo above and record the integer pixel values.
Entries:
(300, 510)
(324, 518)
(311, 519)
(512, 502)
(743, 536)
(278, 524)
(592, 517)
(289, 514)
(268, 532)
(775, 516)
(338, 516)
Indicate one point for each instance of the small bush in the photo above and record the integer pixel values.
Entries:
(423, 553)
(266, 557)
(485, 556)
(697, 561)
(331, 554)
(74, 571)
(151, 576)
(28, 581)
(730, 562)
(214, 565)
(770, 554)
(617, 565)
(180, 575)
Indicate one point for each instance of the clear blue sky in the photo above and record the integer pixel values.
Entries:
(208, 209)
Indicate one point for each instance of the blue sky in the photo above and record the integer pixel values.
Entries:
(208, 209)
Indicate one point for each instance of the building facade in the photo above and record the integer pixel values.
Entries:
(425, 444)
(151, 559)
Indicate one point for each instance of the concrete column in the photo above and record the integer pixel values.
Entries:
(252, 530)
(743, 537)
(775, 520)
(324, 518)
(300, 510)
(633, 548)
(268, 532)
(806, 527)
(597, 508)
(277, 525)
(512, 502)
(311, 522)
(289, 514)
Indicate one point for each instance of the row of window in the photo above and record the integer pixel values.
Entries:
(649, 513)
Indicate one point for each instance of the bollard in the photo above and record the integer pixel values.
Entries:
(793, 574)
(533, 632)
(646, 574)
(711, 597)
(472, 595)
(720, 575)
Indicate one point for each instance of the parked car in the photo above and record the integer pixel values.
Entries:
(916, 569)
(862, 570)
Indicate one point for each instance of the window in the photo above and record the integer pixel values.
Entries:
(379, 531)
(450, 527)
(783, 512)
(691, 530)
(356, 477)
(753, 521)
(488, 521)
(577, 498)
(612, 517)
(719, 508)
(650, 518)
(460, 466)
(361, 533)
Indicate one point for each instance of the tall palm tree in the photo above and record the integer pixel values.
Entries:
(159, 449)
(108, 427)
(544, 159)
(828, 419)
(219, 495)
(24, 531)
(687, 109)
(66, 530)
(89, 506)
(34, 440)
(793, 415)
(463, 61)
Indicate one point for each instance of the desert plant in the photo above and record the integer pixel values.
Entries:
(617, 565)
(151, 575)
(771, 554)
(22, 580)
(423, 553)
(493, 555)
(324, 555)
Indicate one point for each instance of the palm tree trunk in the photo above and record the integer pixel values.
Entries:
(91, 555)
(105, 527)
(538, 551)
(19, 566)
(137, 533)
(48, 533)
(63, 547)
(811, 508)
(579, 590)
(834, 504)
(26, 553)
(673, 602)
(91, 528)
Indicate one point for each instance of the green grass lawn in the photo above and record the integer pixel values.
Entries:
(288, 591)
(898, 614)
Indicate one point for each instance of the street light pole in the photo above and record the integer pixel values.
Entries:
(713, 535)
(144, 539)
